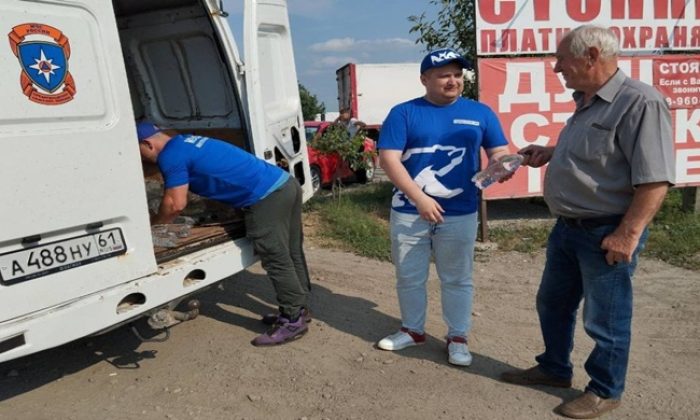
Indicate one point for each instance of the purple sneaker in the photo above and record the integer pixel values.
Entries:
(271, 319)
(282, 332)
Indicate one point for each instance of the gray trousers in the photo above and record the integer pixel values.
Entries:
(274, 227)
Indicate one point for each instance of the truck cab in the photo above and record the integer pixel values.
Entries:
(77, 256)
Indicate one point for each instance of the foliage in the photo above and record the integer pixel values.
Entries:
(526, 239)
(336, 140)
(358, 220)
(310, 105)
(675, 235)
(454, 28)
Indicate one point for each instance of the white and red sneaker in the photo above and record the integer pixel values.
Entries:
(458, 352)
(400, 340)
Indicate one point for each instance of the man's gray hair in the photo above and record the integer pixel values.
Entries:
(586, 36)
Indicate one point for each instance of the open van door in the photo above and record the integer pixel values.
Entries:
(272, 88)
(74, 215)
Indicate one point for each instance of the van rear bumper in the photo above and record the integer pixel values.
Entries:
(86, 315)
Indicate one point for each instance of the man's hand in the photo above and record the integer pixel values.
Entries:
(429, 209)
(536, 156)
(620, 247)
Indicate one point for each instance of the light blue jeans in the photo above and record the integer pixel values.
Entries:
(451, 244)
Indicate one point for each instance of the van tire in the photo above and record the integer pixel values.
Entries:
(315, 179)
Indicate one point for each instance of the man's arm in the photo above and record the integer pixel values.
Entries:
(496, 153)
(174, 201)
(428, 208)
(623, 241)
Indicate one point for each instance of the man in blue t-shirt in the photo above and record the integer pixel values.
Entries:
(430, 149)
(271, 204)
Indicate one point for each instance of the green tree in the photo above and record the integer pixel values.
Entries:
(310, 106)
(350, 149)
(454, 27)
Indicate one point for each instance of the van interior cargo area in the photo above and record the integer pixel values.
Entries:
(179, 78)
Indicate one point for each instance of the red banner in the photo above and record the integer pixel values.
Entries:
(678, 79)
(533, 105)
(514, 27)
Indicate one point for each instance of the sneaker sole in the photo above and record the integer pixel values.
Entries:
(456, 363)
(289, 340)
(270, 319)
(390, 348)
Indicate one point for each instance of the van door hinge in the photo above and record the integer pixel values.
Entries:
(221, 12)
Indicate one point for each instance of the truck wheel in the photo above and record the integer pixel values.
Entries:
(315, 179)
(367, 174)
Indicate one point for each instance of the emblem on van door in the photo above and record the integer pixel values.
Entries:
(43, 52)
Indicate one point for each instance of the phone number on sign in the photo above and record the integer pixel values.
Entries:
(683, 101)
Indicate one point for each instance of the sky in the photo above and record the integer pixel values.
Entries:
(328, 34)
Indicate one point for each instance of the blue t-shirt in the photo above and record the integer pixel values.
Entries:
(217, 170)
(441, 149)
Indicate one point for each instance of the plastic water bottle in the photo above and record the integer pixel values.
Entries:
(496, 171)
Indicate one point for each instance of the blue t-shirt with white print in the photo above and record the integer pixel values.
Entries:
(441, 149)
(217, 170)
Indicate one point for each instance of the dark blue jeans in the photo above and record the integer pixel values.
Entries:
(576, 269)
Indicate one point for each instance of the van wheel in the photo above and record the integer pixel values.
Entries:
(366, 175)
(315, 179)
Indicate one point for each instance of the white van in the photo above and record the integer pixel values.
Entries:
(76, 251)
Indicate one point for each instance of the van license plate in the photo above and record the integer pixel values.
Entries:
(45, 259)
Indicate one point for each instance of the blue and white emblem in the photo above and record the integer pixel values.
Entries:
(44, 63)
(43, 53)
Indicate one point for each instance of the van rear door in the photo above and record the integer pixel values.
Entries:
(74, 216)
(271, 88)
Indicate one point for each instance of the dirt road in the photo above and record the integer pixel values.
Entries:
(208, 369)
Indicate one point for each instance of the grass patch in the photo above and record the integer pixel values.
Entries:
(675, 235)
(359, 220)
(526, 239)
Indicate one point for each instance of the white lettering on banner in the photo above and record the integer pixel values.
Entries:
(534, 180)
(517, 130)
(687, 160)
(533, 105)
(687, 126)
(537, 26)
(682, 67)
(515, 73)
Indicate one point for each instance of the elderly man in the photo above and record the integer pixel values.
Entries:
(607, 178)
(430, 148)
(271, 203)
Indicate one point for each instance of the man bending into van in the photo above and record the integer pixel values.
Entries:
(271, 202)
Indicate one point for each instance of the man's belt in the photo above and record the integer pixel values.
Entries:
(592, 222)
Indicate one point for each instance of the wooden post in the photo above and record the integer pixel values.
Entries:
(483, 219)
(691, 200)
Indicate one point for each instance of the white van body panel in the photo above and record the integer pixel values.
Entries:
(72, 169)
(271, 83)
(70, 165)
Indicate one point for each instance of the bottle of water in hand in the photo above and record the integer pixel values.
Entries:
(497, 171)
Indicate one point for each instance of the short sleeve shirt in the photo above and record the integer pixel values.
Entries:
(217, 170)
(620, 139)
(441, 148)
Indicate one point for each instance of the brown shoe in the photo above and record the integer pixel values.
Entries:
(534, 376)
(588, 406)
